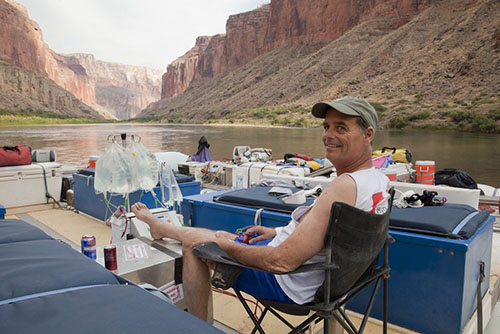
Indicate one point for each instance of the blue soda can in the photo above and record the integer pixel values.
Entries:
(88, 246)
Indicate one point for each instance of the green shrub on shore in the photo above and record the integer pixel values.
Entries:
(398, 122)
(283, 115)
(418, 98)
(41, 117)
(379, 107)
(417, 116)
(474, 121)
(494, 113)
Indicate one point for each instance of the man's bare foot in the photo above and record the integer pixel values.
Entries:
(142, 213)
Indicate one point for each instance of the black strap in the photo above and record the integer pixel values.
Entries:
(12, 148)
(389, 148)
(479, 299)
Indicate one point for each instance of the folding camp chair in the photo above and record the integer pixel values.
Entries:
(353, 242)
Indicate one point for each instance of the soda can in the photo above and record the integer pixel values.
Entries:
(89, 246)
(110, 257)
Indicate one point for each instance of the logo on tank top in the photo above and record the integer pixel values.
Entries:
(378, 198)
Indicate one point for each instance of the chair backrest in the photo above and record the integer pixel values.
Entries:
(355, 238)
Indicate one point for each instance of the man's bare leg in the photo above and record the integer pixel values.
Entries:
(157, 228)
(195, 272)
(196, 282)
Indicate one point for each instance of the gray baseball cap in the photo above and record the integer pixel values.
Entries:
(350, 106)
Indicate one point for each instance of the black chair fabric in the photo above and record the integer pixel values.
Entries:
(355, 238)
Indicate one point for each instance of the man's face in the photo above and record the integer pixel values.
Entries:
(344, 141)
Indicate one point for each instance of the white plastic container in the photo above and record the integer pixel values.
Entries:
(24, 185)
(252, 171)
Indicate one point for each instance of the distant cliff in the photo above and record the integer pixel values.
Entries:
(124, 90)
(277, 24)
(114, 90)
(21, 45)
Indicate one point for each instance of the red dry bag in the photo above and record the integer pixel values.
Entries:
(15, 155)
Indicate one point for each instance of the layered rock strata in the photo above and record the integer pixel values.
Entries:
(22, 45)
(115, 90)
(123, 89)
(277, 24)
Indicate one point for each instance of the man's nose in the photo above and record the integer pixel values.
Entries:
(328, 133)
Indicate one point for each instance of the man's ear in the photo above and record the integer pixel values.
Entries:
(369, 134)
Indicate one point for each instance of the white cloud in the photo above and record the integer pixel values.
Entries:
(136, 32)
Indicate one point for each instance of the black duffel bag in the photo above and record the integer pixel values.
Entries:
(455, 178)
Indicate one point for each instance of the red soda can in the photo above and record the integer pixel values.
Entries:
(110, 257)
(89, 246)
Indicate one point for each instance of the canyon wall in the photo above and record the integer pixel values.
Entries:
(22, 89)
(22, 45)
(114, 90)
(279, 23)
(122, 89)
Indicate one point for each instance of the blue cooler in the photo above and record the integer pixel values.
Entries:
(217, 210)
(87, 201)
(434, 261)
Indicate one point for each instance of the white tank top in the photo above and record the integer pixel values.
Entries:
(372, 196)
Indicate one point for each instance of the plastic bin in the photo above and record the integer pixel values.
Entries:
(87, 201)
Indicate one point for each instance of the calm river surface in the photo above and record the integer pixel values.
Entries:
(477, 154)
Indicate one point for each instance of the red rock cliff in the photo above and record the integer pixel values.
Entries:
(282, 22)
(21, 44)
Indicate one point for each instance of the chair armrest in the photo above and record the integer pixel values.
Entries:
(227, 269)
(211, 251)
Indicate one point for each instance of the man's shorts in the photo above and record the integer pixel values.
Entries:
(261, 284)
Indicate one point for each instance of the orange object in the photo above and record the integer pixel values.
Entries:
(391, 174)
(92, 161)
(424, 172)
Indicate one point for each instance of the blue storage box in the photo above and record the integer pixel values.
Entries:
(202, 211)
(433, 283)
(87, 201)
(2, 212)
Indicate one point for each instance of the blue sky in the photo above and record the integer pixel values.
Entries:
(148, 33)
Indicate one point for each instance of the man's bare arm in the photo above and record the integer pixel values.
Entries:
(305, 242)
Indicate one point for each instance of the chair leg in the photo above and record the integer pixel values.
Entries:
(304, 323)
(370, 305)
(332, 327)
(254, 330)
(250, 313)
(348, 327)
(283, 320)
(384, 310)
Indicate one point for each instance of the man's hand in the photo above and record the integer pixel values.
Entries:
(264, 233)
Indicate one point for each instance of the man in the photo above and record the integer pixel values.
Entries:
(349, 128)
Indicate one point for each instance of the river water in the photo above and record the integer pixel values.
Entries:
(477, 154)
